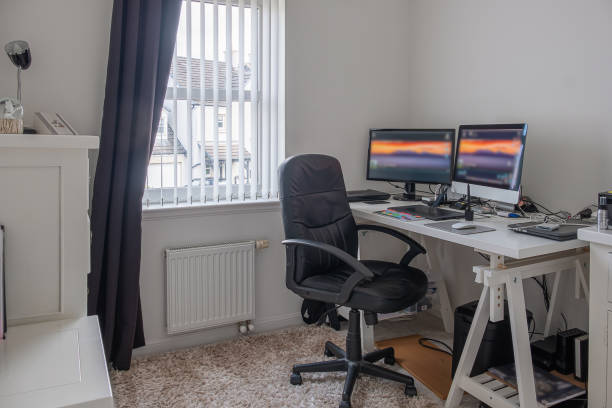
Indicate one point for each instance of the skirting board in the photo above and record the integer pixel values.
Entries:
(216, 335)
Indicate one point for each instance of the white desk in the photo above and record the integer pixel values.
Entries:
(531, 256)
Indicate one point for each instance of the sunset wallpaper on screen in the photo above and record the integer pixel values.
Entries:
(494, 162)
(398, 147)
(411, 160)
(510, 147)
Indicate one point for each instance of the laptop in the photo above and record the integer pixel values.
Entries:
(566, 232)
(366, 195)
(431, 213)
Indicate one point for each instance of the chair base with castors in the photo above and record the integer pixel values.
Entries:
(353, 363)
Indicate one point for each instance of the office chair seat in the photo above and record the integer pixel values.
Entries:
(394, 287)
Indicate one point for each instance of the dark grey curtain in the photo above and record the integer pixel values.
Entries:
(143, 33)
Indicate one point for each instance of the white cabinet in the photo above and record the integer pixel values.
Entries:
(609, 368)
(53, 354)
(610, 276)
(44, 188)
(600, 317)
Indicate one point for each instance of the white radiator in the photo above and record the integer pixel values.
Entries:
(209, 286)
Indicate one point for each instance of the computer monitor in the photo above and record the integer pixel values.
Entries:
(411, 156)
(490, 159)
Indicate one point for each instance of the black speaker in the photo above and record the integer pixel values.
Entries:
(565, 350)
(496, 346)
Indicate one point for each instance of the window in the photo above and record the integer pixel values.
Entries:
(220, 121)
(162, 128)
(221, 133)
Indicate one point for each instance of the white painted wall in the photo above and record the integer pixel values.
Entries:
(356, 64)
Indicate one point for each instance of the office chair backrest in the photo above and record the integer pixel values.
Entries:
(314, 206)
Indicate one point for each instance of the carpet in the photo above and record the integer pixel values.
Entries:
(250, 371)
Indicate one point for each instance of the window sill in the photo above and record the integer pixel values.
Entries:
(154, 212)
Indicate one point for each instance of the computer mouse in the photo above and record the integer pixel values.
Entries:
(463, 225)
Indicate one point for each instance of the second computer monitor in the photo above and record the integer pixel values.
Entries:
(411, 155)
(490, 159)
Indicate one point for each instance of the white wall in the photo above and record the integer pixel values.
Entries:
(346, 72)
(357, 64)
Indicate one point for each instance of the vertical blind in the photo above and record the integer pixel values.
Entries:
(221, 136)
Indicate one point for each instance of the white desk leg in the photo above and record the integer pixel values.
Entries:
(581, 266)
(472, 344)
(520, 342)
(433, 263)
(367, 332)
(553, 303)
(497, 291)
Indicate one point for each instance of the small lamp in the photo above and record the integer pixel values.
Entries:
(19, 53)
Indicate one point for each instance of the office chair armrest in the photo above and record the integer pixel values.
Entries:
(361, 271)
(415, 247)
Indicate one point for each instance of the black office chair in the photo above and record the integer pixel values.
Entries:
(321, 240)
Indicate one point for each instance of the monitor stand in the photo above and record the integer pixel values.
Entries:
(409, 195)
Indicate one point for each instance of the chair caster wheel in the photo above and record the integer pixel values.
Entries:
(345, 404)
(389, 360)
(296, 379)
(410, 390)
(328, 353)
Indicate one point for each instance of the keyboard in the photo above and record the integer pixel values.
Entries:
(431, 213)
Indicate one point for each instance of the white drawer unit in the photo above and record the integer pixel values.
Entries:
(609, 368)
(600, 317)
(610, 277)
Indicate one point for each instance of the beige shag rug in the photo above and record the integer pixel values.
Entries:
(251, 371)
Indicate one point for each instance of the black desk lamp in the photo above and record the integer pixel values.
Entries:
(19, 53)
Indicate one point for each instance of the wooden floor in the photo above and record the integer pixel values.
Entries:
(425, 325)
(431, 368)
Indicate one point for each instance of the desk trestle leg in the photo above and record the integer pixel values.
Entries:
(491, 306)
(472, 344)
(497, 291)
(520, 342)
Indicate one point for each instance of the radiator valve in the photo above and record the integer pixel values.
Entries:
(262, 243)
(246, 327)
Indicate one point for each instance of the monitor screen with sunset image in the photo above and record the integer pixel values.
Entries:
(411, 155)
(490, 155)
